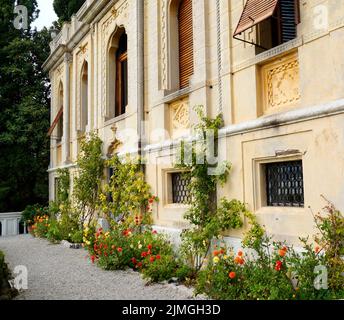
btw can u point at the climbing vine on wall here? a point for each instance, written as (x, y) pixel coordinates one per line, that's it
(127, 196)
(208, 220)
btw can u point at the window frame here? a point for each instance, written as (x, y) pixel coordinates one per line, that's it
(120, 105)
(292, 204)
(259, 182)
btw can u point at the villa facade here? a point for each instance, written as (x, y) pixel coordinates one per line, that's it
(134, 69)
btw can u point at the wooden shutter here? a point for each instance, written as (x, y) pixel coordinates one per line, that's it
(255, 11)
(186, 61)
(55, 122)
(288, 19)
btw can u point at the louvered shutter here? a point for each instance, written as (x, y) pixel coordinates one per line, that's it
(255, 11)
(186, 63)
(288, 14)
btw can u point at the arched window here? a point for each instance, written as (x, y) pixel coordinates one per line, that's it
(59, 127)
(118, 74)
(84, 97)
(181, 66)
(185, 31)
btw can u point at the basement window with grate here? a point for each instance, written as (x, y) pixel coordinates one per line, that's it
(180, 188)
(284, 184)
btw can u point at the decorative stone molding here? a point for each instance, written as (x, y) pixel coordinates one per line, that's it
(81, 57)
(281, 81)
(180, 117)
(119, 17)
(58, 77)
(115, 144)
(164, 43)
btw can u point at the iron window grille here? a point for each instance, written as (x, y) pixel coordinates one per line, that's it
(284, 184)
(180, 188)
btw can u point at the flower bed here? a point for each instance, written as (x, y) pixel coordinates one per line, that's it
(147, 252)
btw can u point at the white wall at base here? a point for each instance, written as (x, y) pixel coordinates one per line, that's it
(231, 242)
(10, 223)
(174, 236)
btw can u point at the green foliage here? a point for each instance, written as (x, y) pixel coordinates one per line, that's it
(63, 186)
(161, 269)
(208, 221)
(31, 212)
(87, 185)
(6, 292)
(331, 240)
(272, 270)
(24, 116)
(122, 248)
(66, 8)
(129, 193)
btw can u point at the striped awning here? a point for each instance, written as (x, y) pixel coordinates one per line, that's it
(56, 121)
(255, 11)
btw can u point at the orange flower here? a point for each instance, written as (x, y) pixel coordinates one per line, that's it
(239, 260)
(282, 252)
(216, 253)
(232, 275)
(317, 249)
(240, 253)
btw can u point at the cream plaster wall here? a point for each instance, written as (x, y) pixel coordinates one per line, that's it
(321, 73)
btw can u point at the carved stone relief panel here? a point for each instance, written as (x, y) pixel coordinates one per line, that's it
(180, 118)
(281, 83)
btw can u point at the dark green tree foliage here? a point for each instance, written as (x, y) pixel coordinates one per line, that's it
(66, 8)
(24, 111)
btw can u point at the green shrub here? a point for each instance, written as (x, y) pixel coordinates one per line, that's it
(6, 292)
(159, 268)
(32, 211)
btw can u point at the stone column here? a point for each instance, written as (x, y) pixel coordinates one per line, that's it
(66, 106)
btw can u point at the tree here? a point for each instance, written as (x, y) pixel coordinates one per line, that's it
(24, 111)
(66, 8)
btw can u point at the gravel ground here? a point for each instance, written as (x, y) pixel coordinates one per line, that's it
(58, 273)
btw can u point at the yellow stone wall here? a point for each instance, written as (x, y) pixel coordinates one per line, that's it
(268, 101)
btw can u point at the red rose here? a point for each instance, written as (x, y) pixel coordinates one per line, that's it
(149, 247)
(119, 249)
(278, 265)
(158, 257)
(139, 265)
(144, 254)
(134, 261)
(152, 259)
(93, 258)
(232, 275)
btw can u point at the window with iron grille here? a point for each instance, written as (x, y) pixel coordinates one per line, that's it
(180, 188)
(284, 184)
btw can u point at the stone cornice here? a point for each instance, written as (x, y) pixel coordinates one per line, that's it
(73, 32)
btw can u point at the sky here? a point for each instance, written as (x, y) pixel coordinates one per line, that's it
(47, 14)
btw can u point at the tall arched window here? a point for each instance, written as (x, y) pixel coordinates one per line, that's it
(181, 66)
(185, 31)
(84, 97)
(118, 74)
(59, 127)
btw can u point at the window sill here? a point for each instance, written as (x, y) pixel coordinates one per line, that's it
(170, 97)
(269, 54)
(281, 210)
(176, 206)
(111, 121)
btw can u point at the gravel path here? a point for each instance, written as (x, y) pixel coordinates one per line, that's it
(59, 273)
